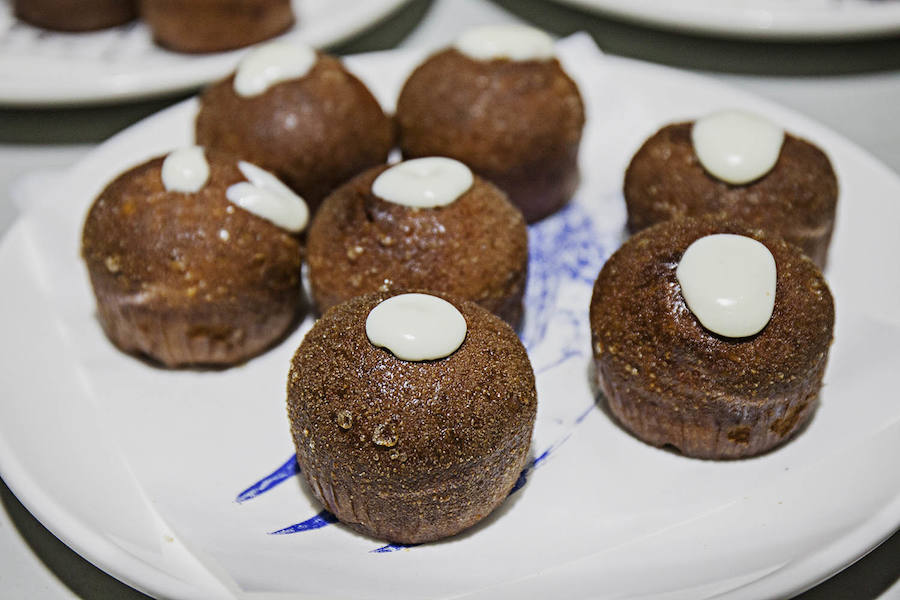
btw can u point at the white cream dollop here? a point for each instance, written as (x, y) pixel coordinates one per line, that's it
(728, 282)
(514, 42)
(185, 170)
(424, 182)
(266, 196)
(416, 327)
(737, 146)
(273, 63)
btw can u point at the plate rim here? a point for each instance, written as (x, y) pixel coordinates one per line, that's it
(743, 23)
(191, 74)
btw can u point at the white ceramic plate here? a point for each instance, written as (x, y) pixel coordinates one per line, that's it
(45, 68)
(759, 19)
(181, 483)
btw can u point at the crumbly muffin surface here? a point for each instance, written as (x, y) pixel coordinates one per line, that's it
(475, 247)
(410, 451)
(516, 123)
(315, 132)
(671, 381)
(189, 278)
(796, 200)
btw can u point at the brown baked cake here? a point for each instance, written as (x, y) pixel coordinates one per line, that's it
(315, 131)
(215, 25)
(515, 122)
(403, 450)
(671, 381)
(796, 199)
(475, 247)
(190, 277)
(75, 15)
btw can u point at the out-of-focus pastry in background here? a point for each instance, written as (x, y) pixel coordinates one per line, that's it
(75, 15)
(215, 25)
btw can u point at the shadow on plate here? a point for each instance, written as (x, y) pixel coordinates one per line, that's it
(80, 576)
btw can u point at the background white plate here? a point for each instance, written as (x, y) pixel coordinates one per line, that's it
(45, 68)
(762, 19)
(171, 481)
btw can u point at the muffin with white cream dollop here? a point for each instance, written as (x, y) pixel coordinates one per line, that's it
(195, 258)
(739, 165)
(298, 113)
(427, 223)
(711, 337)
(411, 413)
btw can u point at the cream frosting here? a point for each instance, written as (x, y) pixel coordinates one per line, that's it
(266, 196)
(424, 182)
(737, 146)
(185, 170)
(273, 63)
(416, 327)
(728, 282)
(513, 42)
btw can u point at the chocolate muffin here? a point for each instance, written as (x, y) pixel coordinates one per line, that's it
(515, 121)
(197, 26)
(183, 274)
(315, 130)
(796, 199)
(405, 450)
(475, 247)
(75, 15)
(671, 381)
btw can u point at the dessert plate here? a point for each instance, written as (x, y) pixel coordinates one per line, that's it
(759, 19)
(182, 483)
(45, 68)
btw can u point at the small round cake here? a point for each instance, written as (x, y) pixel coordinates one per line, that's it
(416, 448)
(198, 26)
(742, 166)
(75, 15)
(711, 337)
(299, 114)
(500, 102)
(426, 223)
(195, 259)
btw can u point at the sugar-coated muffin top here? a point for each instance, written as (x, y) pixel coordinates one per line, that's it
(402, 419)
(314, 131)
(181, 272)
(795, 199)
(639, 316)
